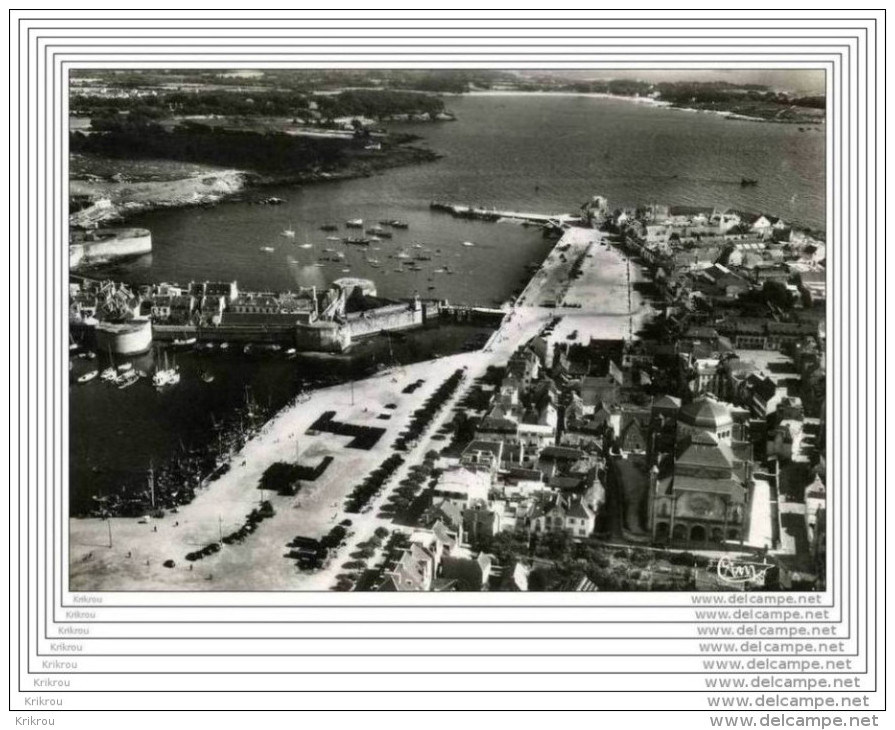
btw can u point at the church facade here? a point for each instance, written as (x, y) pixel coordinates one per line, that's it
(700, 491)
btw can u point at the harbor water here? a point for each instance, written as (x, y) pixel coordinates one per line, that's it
(527, 153)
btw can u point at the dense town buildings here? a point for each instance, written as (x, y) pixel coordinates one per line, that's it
(701, 434)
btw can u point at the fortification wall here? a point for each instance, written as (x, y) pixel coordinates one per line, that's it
(105, 245)
(396, 317)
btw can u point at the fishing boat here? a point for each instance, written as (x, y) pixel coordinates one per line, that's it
(355, 223)
(87, 377)
(127, 380)
(166, 375)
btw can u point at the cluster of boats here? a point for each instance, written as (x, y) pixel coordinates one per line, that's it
(372, 234)
(369, 236)
(176, 481)
(125, 375)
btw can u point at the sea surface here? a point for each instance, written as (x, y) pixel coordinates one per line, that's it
(532, 153)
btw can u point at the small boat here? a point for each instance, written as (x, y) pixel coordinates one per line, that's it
(468, 244)
(207, 376)
(267, 249)
(402, 255)
(748, 182)
(127, 380)
(125, 367)
(166, 375)
(109, 375)
(307, 245)
(357, 241)
(355, 223)
(399, 224)
(290, 352)
(225, 345)
(184, 341)
(374, 239)
(87, 377)
(346, 270)
(379, 231)
(329, 227)
(334, 238)
(288, 232)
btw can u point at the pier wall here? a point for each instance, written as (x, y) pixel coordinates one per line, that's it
(109, 244)
(474, 315)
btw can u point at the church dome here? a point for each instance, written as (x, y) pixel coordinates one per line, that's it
(706, 413)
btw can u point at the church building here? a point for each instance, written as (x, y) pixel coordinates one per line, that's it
(700, 493)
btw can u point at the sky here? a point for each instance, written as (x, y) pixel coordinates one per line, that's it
(796, 81)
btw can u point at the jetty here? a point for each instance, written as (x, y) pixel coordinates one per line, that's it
(560, 220)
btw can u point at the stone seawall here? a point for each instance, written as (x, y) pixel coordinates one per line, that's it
(109, 244)
(393, 317)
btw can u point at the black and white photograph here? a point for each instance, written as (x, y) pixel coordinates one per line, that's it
(447, 330)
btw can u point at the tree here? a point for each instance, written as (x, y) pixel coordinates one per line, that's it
(776, 294)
